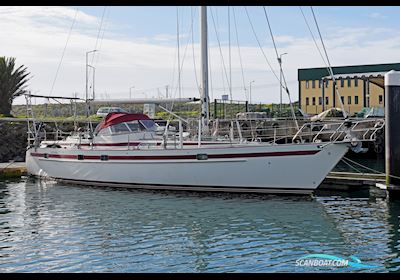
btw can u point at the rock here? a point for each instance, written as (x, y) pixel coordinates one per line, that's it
(13, 140)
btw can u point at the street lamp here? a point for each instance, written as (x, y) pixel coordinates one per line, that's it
(280, 81)
(250, 90)
(130, 92)
(94, 73)
(87, 66)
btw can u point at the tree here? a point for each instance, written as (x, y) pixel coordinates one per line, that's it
(12, 83)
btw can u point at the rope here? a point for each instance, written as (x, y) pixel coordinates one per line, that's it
(363, 166)
(282, 74)
(102, 37)
(96, 54)
(330, 67)
(211, 77)
(220, 50)
(173, 73)
(269, 64)
(186, 48)
(222, 65)
(270, 31)
(262, 50)
(179, 63)
(240, 56)
(193, 54)
(312, 35)
(371, 169)
(98, 33)
(63, 53)
(229, 48)
(352, 167)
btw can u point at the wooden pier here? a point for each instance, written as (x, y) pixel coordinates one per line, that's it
(348, 180)
(12, 169)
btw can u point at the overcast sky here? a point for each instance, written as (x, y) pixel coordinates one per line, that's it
(138, 47)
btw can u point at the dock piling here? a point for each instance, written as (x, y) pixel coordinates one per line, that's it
(392, 133)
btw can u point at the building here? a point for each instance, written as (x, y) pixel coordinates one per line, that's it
(359, 86)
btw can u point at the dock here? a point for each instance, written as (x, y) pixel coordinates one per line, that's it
(350, 181)
(355, 178)
(12, 169)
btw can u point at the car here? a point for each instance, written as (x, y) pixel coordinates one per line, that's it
(104, 111)
(374, 112)
(287, 113)
(251, 115)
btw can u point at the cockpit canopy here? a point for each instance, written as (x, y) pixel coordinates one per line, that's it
(115, 123)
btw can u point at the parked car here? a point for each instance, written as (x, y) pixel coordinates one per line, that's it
(251, 115)
(103, 111)
(374, 112)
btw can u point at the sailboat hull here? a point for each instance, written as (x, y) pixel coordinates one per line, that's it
(260, 168)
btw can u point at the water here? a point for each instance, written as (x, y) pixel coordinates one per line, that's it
(376, 163)
(49, 227)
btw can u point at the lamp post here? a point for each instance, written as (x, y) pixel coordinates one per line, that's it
(87, 66)
(280, 81)
(94, 73)
(250, 90)
(130, 92)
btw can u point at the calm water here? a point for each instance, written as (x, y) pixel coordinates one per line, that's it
(376, 163)
(63, 228)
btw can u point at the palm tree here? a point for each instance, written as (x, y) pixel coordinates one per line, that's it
(12, 83)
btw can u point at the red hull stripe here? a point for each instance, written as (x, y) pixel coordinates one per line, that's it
(37, 155)
(113, 144)
(210, 156)
(138, 143)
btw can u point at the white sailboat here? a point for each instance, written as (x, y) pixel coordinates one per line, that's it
(152, 162)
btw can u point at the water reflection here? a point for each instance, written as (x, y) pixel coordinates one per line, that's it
(46, 226)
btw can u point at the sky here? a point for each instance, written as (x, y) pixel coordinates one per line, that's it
(137, 47)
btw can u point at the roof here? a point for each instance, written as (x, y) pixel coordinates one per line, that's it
(374, 77)
(318, 73)
(357, 75)
(116, 118)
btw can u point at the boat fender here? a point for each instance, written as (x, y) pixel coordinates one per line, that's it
(378, 149)
(378, 140)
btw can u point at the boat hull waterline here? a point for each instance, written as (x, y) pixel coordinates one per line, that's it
(297, 169)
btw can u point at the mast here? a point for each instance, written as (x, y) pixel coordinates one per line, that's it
(205, 114)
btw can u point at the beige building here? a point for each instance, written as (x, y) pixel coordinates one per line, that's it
(359, 86)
